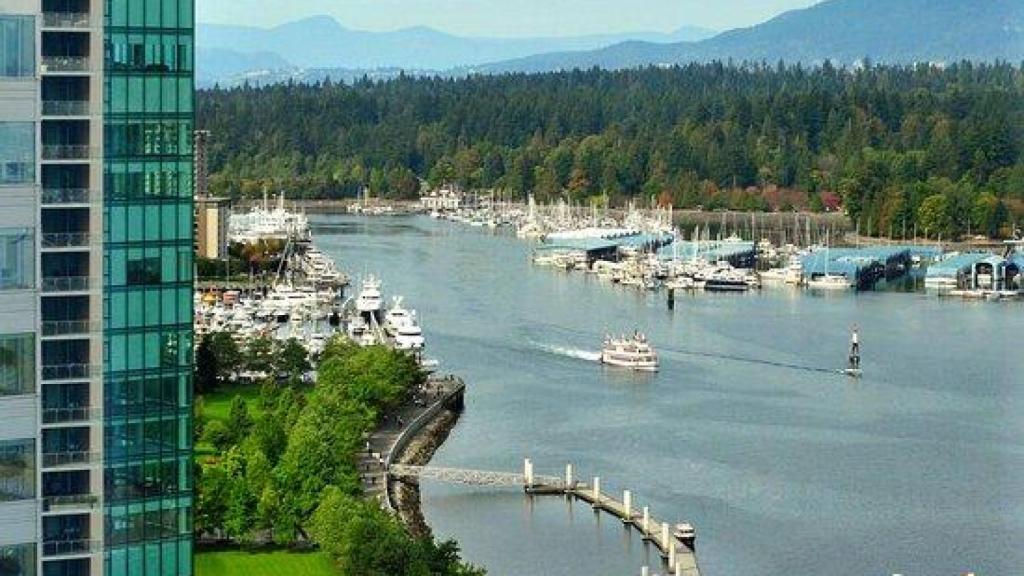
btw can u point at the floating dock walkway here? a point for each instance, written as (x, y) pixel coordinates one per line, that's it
(675, 543)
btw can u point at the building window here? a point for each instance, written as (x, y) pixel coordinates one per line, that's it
(17, 364)
(17, 471)
(18, 560)
(17, 153)
(17, 47)
(143, 271)
(17, 258)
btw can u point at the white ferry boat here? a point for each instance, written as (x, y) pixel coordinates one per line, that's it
(635, 353)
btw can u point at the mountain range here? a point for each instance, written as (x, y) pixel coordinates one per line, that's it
(321, 42)
(842, 31)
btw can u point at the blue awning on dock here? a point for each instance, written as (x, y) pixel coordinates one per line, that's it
(594, 245)
(864, 265)
(580, 245)
(710, 251)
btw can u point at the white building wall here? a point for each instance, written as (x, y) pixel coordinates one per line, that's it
(19, 415)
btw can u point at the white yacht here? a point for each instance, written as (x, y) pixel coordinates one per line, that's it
(397, 316)
(635, 353)
(830, 282)
(681, 283)
(794, 272)
(409, 337)
(774, 275)
(360, 332)
(370, 300)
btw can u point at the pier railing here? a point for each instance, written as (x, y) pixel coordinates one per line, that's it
(675, 543)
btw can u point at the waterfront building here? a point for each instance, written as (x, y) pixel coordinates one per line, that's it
(212, 218)
(96, 118)
(446, 199)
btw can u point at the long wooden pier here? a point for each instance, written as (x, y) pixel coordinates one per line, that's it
(675, 543)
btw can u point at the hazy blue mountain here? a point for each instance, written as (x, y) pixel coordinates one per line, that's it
(321, 42)
(844, 31)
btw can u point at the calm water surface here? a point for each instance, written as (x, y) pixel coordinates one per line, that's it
(785, 467)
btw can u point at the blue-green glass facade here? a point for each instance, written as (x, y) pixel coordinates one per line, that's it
(147, 278)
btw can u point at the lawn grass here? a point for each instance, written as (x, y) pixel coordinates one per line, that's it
(259, 563)
(217, 404)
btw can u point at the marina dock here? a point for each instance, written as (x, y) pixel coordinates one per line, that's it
(676, 543)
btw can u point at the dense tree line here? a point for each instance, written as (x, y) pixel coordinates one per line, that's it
(284, 467)
(936, 148)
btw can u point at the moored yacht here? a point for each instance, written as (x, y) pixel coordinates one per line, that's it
(635, 353)
(830, 282)
(397, 316)
(409, 337)
(370, 300)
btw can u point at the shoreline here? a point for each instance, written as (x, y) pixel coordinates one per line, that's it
(420, 452)
(422, 430)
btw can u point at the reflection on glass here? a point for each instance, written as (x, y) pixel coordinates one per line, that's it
(17, 47)
(17, 470)
(17, 258)
(17, 153)
(17, 364)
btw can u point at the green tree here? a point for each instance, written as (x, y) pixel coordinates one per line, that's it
(988, 214)
(239, 422)
(226, 351)
(216, 434)
(259, 356)
(292, 359)
(933, 216)
(207, 367)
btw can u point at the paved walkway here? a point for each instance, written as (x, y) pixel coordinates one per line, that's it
(371, 461)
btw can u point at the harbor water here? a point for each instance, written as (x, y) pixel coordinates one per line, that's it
(748, 431)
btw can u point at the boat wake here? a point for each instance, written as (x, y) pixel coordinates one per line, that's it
(588, 355)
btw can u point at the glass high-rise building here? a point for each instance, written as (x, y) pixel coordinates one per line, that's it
(96, 121)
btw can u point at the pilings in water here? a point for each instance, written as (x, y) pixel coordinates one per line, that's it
(676, 546)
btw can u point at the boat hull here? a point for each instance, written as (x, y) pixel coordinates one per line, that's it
(628, 364)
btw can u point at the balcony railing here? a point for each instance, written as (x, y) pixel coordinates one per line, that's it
(67, 151)
(67, 371)
(68, 327)
(57, 196)
(75, 503)
(65, 239)
(72, 20)
(65, 284)
(69, 458)
(78, 547)
(66, 64)
(69, 415)
(66, 108)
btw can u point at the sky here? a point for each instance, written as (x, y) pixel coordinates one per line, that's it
(505, 18)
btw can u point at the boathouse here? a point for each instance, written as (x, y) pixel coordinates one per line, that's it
(738, 254)
(995, 273)
(864, 267)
